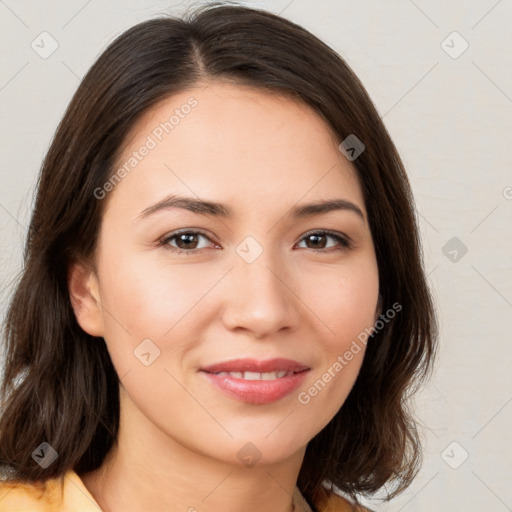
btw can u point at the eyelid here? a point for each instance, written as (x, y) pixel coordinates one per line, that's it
(163, 241)
(335, 234)
(345, 241)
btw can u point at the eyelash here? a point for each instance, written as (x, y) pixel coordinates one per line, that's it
(345, 242)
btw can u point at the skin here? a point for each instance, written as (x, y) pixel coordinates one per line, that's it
(261, 154)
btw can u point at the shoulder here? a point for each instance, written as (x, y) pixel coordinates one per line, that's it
(23, 496)
(56, 495)
(329, 501)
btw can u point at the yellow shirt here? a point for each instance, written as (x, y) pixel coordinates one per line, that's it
(22, 497)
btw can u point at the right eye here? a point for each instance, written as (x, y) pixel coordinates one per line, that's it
(186, 240)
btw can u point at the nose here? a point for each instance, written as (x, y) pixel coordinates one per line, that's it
(260, 297)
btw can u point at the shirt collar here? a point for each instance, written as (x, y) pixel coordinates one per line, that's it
(77, 496)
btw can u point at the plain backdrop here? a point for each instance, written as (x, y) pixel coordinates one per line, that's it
(440, 75)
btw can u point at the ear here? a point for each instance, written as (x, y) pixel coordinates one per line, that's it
(85, 298)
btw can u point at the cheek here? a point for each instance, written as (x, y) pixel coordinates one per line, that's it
(147, 298)
(150, 298)
(344, 300)
(346, 304)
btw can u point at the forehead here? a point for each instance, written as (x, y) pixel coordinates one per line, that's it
(225, 141)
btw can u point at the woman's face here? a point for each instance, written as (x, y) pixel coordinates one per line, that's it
(252, 280)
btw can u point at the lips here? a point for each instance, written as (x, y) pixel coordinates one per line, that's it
(256, 366)
(256, 382)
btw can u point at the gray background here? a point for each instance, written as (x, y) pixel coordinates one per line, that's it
(450, 115)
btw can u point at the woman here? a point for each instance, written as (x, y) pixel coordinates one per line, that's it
(223, 305)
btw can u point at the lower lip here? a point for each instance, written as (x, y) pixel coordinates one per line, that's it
(257, 391)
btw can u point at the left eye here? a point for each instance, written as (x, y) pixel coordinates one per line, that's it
(187, 241)
(315, 236)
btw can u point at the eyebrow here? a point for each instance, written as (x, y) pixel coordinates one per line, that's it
(210, 208)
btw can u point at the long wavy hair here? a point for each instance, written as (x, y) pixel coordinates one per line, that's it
(59, 385)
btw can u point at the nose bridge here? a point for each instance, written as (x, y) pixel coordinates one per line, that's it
(259, 296)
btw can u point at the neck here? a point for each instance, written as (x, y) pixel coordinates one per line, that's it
(147, 470)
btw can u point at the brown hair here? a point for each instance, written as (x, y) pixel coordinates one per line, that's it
(59, 384)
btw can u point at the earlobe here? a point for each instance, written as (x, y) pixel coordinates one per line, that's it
(83, 287)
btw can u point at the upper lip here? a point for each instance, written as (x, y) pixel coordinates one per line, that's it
(255, 365)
